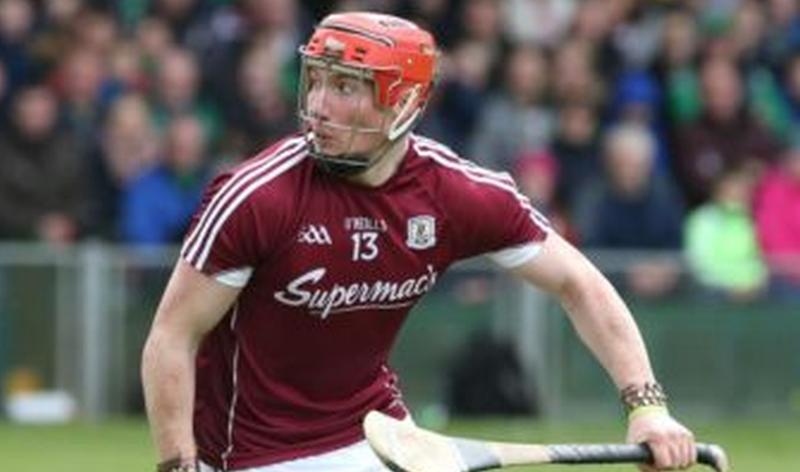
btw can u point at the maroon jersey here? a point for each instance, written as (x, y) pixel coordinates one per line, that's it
(329, 271)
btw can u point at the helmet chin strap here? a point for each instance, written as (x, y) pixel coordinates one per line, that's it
(346, 165)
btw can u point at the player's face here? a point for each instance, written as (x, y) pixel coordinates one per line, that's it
(342, 112)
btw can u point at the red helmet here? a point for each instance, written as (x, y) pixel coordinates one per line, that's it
(400, 55)
(394, 55)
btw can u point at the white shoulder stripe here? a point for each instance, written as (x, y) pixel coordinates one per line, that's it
(224, 194)
(240, 178)
(229, 209)
(466, 166)
(204, 233)
(523, 200)
(475, 174)
(446, 152)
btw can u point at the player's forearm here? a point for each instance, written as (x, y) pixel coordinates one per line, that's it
(606, 326)
(168, 380)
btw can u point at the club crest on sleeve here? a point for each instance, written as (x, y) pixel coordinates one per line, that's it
(421, 232)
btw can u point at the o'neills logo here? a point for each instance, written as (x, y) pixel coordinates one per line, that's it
(303, 291)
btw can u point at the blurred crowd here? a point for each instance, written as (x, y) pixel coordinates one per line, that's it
(643, 125)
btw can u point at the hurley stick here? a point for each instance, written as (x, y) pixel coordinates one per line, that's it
(404, 447)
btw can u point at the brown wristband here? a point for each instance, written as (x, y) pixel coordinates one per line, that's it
(638, 395)
(178, 464)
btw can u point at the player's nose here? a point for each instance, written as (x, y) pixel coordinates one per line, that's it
(318, 105)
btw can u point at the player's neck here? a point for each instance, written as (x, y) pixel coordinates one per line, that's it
(385, 168)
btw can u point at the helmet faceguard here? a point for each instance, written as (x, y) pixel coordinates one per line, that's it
(393, 56)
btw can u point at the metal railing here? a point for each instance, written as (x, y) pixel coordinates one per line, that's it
(79, 315)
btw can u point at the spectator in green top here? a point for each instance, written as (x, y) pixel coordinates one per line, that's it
(721, 245)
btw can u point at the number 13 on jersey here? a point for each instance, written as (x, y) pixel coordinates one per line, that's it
(364, 245)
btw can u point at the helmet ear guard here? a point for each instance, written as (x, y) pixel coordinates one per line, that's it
(396, 50)
(412, 105)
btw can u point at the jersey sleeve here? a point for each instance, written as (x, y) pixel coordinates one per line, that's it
(491, 216)
(230, 233)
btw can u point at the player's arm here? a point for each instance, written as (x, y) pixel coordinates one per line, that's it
(604, 323)
(192, 305)
(598, 314)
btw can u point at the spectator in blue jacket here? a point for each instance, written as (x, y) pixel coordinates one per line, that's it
(634, 208)
(157, 206)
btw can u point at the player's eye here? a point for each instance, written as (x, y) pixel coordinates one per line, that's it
(345, 87)
(313, 78)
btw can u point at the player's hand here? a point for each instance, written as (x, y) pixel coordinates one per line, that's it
(672, 444)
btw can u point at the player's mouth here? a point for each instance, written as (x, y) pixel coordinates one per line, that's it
(323, 140)
(328, 143)
(321, 135)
